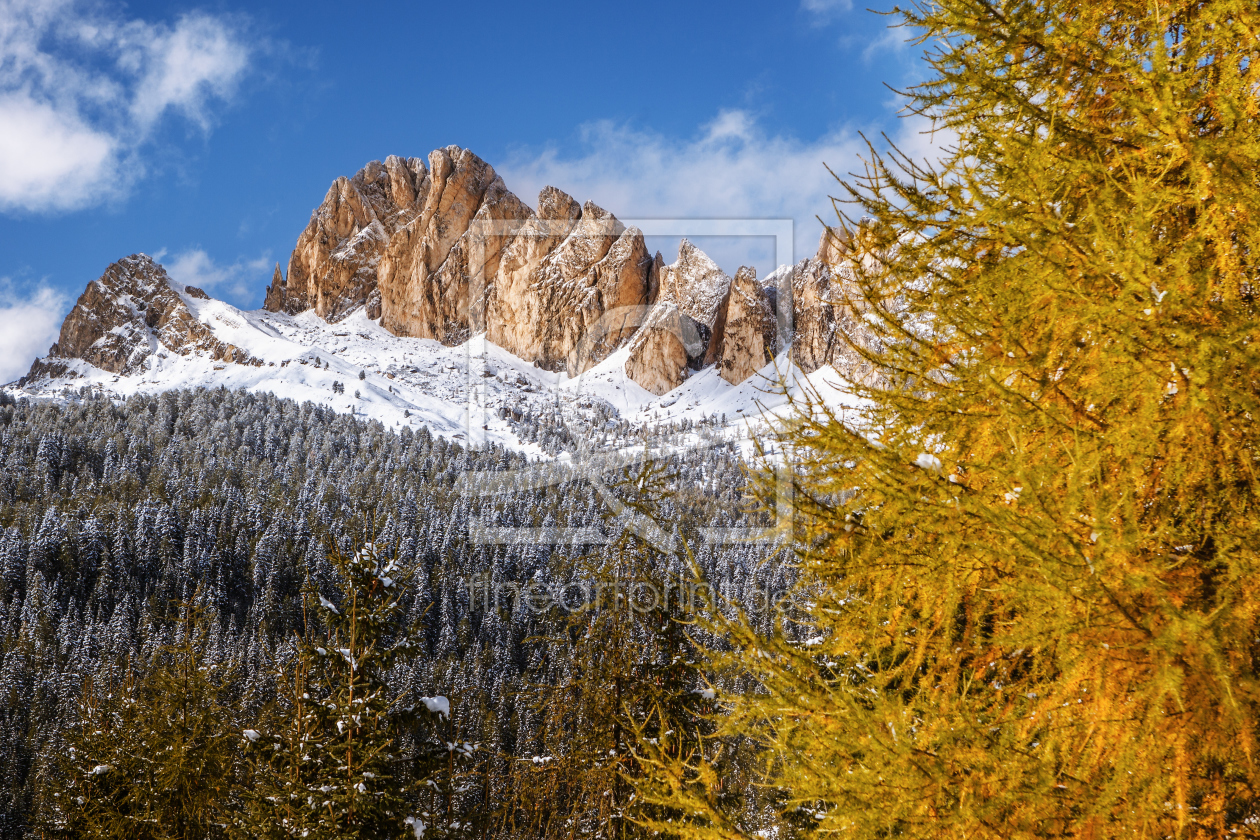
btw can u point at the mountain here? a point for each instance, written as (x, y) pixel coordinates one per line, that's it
(126, 315)
(425, 292)
(172, 448)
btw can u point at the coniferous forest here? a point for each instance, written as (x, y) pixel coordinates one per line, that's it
(206, 525)
(1023, 582)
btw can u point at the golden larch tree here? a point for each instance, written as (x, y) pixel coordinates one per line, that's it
(1031, 564)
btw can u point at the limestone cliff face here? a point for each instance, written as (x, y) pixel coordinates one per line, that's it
(745, 334)
(664, 348)
(131, 312)
(333, 268)
(569, 286)
(612, 302)
(445, 250)
(813, 315)
(694, 284)
(827, 312)
(686, 296)
(834, 246)
(424, 277)
(512, 302)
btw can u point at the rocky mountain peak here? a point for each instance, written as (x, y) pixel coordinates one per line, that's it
(333, 266)
(556, 205)
(131, 312)
(440, 248)
(445, 251)
(745, 333)
(694, 284)
(828, 327)
(833, 246)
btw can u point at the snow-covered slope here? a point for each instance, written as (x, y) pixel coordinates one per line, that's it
(472, 392)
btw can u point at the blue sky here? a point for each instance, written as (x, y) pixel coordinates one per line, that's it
(207, 133)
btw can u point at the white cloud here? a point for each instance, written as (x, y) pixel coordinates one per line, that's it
(242, 279)
(826, 8)
(28, 326)
(51, 158)
(199, 59)
(733, 169)
(82, 90)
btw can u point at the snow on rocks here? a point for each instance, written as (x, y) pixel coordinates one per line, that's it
(467, 393)
(123, 318)
(694, 284)
(474, 392)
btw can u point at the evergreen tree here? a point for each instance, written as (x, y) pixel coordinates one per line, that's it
(1033, 598)
(331, 766)
(226, 498)
(623, 679)
(151, 757)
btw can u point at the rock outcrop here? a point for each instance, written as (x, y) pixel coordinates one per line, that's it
(828, 327)
(745, 333)
(813, 315)
(568, 287)
(833, 246)
(433, 265)
(667, 344)
(675, 333)
(511, 300)
(694, 284)
(131, 312)
(612, 300)
(333, 266)
(447, 250)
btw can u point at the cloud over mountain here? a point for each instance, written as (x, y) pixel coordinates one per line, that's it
(243, 279)
(733, 168)
(28, 325)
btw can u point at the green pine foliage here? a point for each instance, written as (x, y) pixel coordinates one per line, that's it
(628, 678)
(333, 765)
(109, 512)
(149, 757)
(1030, 579)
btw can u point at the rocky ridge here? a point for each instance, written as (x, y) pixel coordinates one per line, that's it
(745, 330)
(441, 249)
(133, 311)
(828, 326)
(333, 266)
(695, 285)
(445, 250)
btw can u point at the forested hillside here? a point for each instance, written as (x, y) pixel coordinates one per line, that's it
(112, 516)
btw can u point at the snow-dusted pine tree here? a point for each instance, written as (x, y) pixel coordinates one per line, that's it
(150, 757)
(330, 765)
